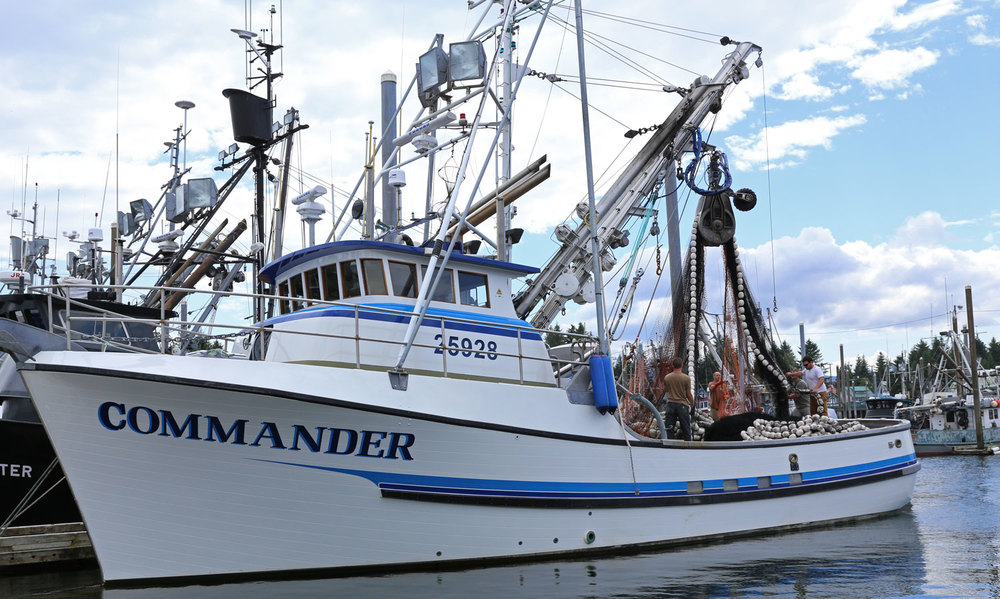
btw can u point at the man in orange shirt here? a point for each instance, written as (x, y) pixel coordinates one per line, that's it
(718, 393)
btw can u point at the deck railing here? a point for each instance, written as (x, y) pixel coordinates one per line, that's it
(176, 335)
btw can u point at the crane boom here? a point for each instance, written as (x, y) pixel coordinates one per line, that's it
(567, 274)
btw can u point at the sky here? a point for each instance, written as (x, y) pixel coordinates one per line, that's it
(868, 134)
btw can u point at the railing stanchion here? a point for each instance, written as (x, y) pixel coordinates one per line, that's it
(66, 324)
(357, 336)
(520, 358)
(163, 322)
(444, 349)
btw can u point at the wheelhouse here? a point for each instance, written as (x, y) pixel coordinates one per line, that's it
(356, 300)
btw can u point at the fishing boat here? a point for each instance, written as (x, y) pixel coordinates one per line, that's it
(41, 309)
(945, 425)
(948, 420)
(399, 407)
(32, 487)
(885, 406)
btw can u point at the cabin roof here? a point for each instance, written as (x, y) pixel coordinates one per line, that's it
(270, 272)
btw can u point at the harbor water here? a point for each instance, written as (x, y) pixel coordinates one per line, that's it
(947, 544)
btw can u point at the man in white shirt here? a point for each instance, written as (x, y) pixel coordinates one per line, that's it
(813, 377)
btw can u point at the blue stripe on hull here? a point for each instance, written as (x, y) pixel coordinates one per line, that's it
(490, 325)
(475, 487)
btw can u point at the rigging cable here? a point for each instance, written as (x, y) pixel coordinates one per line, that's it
(548, 98)
(770, 217)
(595, 41)
(660, 27)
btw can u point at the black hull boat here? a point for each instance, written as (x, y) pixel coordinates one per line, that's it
(33, 490)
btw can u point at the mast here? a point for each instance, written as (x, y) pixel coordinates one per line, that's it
(595, 243)
(504, 212)
(974, 371)
(390, 200)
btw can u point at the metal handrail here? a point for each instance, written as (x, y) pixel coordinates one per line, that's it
(182, 327)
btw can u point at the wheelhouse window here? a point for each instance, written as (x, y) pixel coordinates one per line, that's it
(349, 276)
(296, 290)
(283, 303)
(404, 279)
(104, 329)
(374, 276)
(331, 288)
(473, 290)
(312, 285)
(445, 291)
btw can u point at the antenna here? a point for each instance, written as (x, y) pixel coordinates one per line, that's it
(185, 105)
(56, 253)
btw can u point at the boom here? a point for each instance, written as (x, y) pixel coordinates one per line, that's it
(567, 275)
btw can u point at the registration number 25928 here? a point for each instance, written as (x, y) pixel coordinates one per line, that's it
(468, 347)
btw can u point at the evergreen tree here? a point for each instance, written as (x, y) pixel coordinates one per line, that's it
(812, 350)
(786, 357)
(555, 337)
(994, 350)
(921, 350)
(983, 354)
(860, 375)
(880, 368)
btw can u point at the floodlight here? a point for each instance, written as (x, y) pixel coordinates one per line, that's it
(222, 154)
(174, 205)
(200, 193)
(39, 246)
(141, 210)
(466, 61)
(126, 223)
(432, 69)
(233, 148)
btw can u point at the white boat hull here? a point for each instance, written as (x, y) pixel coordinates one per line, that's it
(447, 470)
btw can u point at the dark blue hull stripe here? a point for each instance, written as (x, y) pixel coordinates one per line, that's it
(578, 494)
(500, 328)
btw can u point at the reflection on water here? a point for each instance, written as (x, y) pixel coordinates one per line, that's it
(947, 545)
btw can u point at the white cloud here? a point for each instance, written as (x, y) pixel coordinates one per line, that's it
(852, 292)
(864, 295)
(979, 36)
(891, 69)
(926, 13)
(803, 86)
(789, 141)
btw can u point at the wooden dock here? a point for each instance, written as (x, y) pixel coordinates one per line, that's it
(45, 544)
(988, 450)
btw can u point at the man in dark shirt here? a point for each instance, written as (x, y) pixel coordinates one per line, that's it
(680, 402)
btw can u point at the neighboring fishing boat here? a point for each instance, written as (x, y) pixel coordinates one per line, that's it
(400, 406)
(944, 425)
(885, 406)
(945, 420)
(80, 311)
(32, 487)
